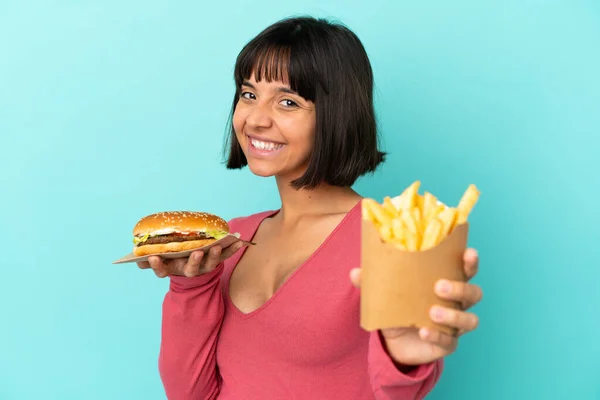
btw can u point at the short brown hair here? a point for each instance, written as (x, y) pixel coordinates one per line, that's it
(327, 64)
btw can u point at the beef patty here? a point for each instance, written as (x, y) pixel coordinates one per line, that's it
(174, 238)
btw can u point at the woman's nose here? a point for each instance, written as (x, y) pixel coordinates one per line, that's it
(259, 117)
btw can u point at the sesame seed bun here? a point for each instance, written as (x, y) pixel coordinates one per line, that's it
(172, 231)
(183, 221)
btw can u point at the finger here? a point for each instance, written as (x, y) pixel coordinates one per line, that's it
(230, 250)
(471, 259)
(212, 259)
(192, 266)
(143, 264)
(454, 318)
(155, 262)
(441, 340)
(355, 277)
(158, 266)
(467, 294)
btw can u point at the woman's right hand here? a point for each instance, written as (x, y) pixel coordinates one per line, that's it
(196, 264)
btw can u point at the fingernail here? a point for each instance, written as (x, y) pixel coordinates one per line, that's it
(215, 250)
(197, 257)
(444, 287)
(437, 313)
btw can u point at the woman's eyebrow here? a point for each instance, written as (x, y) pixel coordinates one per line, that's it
(281, 89)
(284, 89)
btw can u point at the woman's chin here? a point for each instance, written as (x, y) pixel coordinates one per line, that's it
(260, 170)
(268, 169)
(265, 172)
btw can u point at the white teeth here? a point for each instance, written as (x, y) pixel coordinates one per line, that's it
(259, 144)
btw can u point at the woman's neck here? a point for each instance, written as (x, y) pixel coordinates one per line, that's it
(322, 200)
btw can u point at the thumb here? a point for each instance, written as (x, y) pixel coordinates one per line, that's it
(355, 277)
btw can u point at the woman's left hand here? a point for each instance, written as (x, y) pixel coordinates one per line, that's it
(412, 346)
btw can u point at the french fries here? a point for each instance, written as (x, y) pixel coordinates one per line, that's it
(414, 222)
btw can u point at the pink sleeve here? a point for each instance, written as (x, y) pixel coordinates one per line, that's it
(389, 383)
(192, 315)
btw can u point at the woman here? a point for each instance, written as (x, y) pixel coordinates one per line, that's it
(280, 320)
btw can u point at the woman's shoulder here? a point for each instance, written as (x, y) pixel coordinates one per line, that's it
(243, 224)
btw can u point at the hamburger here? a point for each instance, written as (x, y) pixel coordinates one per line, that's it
(172, 231)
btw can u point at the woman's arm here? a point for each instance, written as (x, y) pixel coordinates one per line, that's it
(393, 382)
(192, 316)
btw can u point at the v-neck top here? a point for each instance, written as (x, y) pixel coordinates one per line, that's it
(305, 342)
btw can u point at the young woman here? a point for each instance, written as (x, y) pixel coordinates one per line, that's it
(280, 320)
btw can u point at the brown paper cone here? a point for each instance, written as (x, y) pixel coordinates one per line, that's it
(397, 287)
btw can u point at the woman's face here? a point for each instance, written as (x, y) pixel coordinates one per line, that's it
(275, 128)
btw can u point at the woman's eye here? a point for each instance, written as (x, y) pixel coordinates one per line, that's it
(248, 95)
(288, 103)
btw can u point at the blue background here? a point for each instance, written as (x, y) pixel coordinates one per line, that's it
(112, 110)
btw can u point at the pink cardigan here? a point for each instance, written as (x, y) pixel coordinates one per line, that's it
(304, 343)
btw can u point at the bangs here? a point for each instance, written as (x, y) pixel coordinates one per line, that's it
(275, 61)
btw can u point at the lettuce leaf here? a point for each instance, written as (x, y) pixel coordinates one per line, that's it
(217, 234)
(138, 240)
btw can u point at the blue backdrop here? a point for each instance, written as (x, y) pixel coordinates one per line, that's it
(112, 110)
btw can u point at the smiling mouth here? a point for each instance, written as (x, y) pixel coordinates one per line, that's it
(264, 145)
